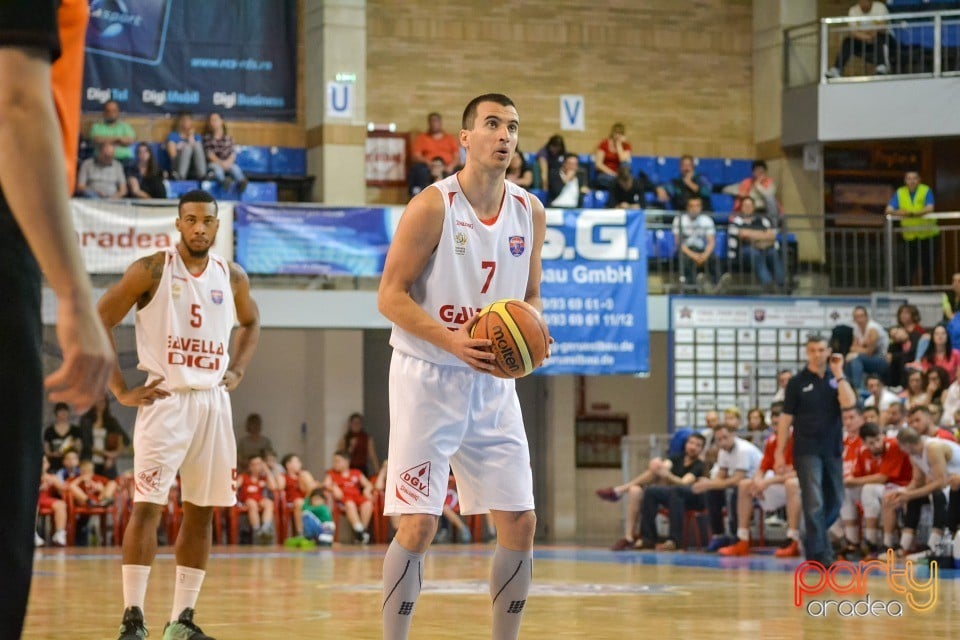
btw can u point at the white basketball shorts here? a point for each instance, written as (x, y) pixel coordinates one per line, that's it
(444, 417)
(774, 496)
(190, 432)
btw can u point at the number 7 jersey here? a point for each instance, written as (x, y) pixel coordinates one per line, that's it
(183, 333)
(475, 263)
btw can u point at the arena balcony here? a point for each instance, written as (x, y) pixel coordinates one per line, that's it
(872, 78)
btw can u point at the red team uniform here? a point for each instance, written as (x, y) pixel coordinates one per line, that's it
(251, 488)
(851, 453)
(292, 489)
(894, 463)
(350, 484)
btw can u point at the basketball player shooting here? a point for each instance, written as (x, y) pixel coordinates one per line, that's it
(471, 239)
(187, 300)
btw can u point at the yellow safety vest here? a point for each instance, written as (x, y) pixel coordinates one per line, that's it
(920, 228)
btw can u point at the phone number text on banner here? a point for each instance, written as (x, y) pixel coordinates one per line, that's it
(313, 240)
(594, 292)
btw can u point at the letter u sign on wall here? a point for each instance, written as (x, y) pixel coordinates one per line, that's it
(341, 97)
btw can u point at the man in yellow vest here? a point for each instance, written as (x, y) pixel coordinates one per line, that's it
(918, 246)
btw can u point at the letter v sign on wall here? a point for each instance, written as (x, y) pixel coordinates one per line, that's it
(571, 113)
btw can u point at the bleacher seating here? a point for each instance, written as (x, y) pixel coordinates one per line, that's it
(253, 160)
(712, 169)
(260, 192)
(176, 188)
(288, 161)
(722, 203)
(735, 170)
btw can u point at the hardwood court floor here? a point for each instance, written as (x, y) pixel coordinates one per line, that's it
(260, 593)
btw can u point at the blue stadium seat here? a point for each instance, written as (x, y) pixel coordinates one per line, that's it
(666, 244)
(253, 159)
(540, 194)
(216, 190)
(722, 202)
(649, 244)
(601, 198)
(588, 202)
(667, 169)
(735, 170)
(711, 169)
(288, 161)
(950, 34)
(914, 36)
(720, 245)
(176, 188)
(260, 192)
(648, 165)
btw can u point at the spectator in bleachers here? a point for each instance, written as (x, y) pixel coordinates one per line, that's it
(894, 418)
(686, 186)
(360, 445)
(550, 158)
(941, 353)
(868, 351)
(629, 192)
(568, 185)
(91, 489)
(737, 459)
(937, 383)
(273, 466)
(438, 170)
(873, 414)
(255, 489)
(60, 436)
(675, 477)
(731, 419)
(760, 189)
(144, 179)
(254, 442)
(518, 172)
(951, 403)
(51, 498)
(102, 176)
(868, 40)
(936, 413)
(185, 148)
(915, 393)
(752, 243)
(222, 154)
(880, 396)
(351, 488)
(905, 339)
(115, 131)
(71, 466)
(917, 250)
(612, 153)
(297, 484)
(951, 299)
(757, 427)
(695, 235)
(104, 440)
(432, 143)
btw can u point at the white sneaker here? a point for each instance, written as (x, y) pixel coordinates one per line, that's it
(60, 538)
(881, 69)
(37, 540)
(833, 72)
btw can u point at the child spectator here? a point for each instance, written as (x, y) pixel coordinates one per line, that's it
(254, 491)
(91, 489)
(351, 489)
(70, 468)
(318, 525)
(60, 436)
(297, 484)
(50, 498)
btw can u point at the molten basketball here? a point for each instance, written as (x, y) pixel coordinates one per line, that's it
(519, 335)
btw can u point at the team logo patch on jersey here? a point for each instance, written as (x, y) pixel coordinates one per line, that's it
(149, 481)
(217, 296)
(176, 290)
(460, 243)
(517, 245)
(418, 478)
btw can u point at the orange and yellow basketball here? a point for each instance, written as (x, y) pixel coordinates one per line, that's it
(519, 335)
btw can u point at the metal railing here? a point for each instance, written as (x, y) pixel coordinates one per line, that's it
(923, 45)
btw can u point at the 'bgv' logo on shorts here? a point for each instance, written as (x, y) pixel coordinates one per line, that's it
(418, 478)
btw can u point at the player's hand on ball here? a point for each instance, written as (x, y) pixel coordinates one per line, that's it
(143, 395)
(231, 379)
(474, 351)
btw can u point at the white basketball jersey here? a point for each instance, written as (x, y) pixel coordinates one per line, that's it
(474, 264)
(183, 333)
(953, 464)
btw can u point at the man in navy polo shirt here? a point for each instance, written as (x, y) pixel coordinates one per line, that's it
(813, 403)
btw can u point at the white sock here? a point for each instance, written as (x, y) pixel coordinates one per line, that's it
(934, 540)
(852, 534)
(743, 534)
(870, 535)
(186, 590)
(888, 539)
(135, 578)
(358, 528)
(793, 534)
(906, 541)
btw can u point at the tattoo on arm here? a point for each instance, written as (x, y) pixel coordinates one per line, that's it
(154, 266)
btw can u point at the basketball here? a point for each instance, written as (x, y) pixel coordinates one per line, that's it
(519, 335)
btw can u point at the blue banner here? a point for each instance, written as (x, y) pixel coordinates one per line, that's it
(312, 240)
(237, 57)
(594, 292)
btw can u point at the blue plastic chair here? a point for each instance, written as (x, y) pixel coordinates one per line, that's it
(712, 169)
(260, 192)
(722, 202)
(176, 188)
(288, 161)
(253, 159)
(735, 170)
